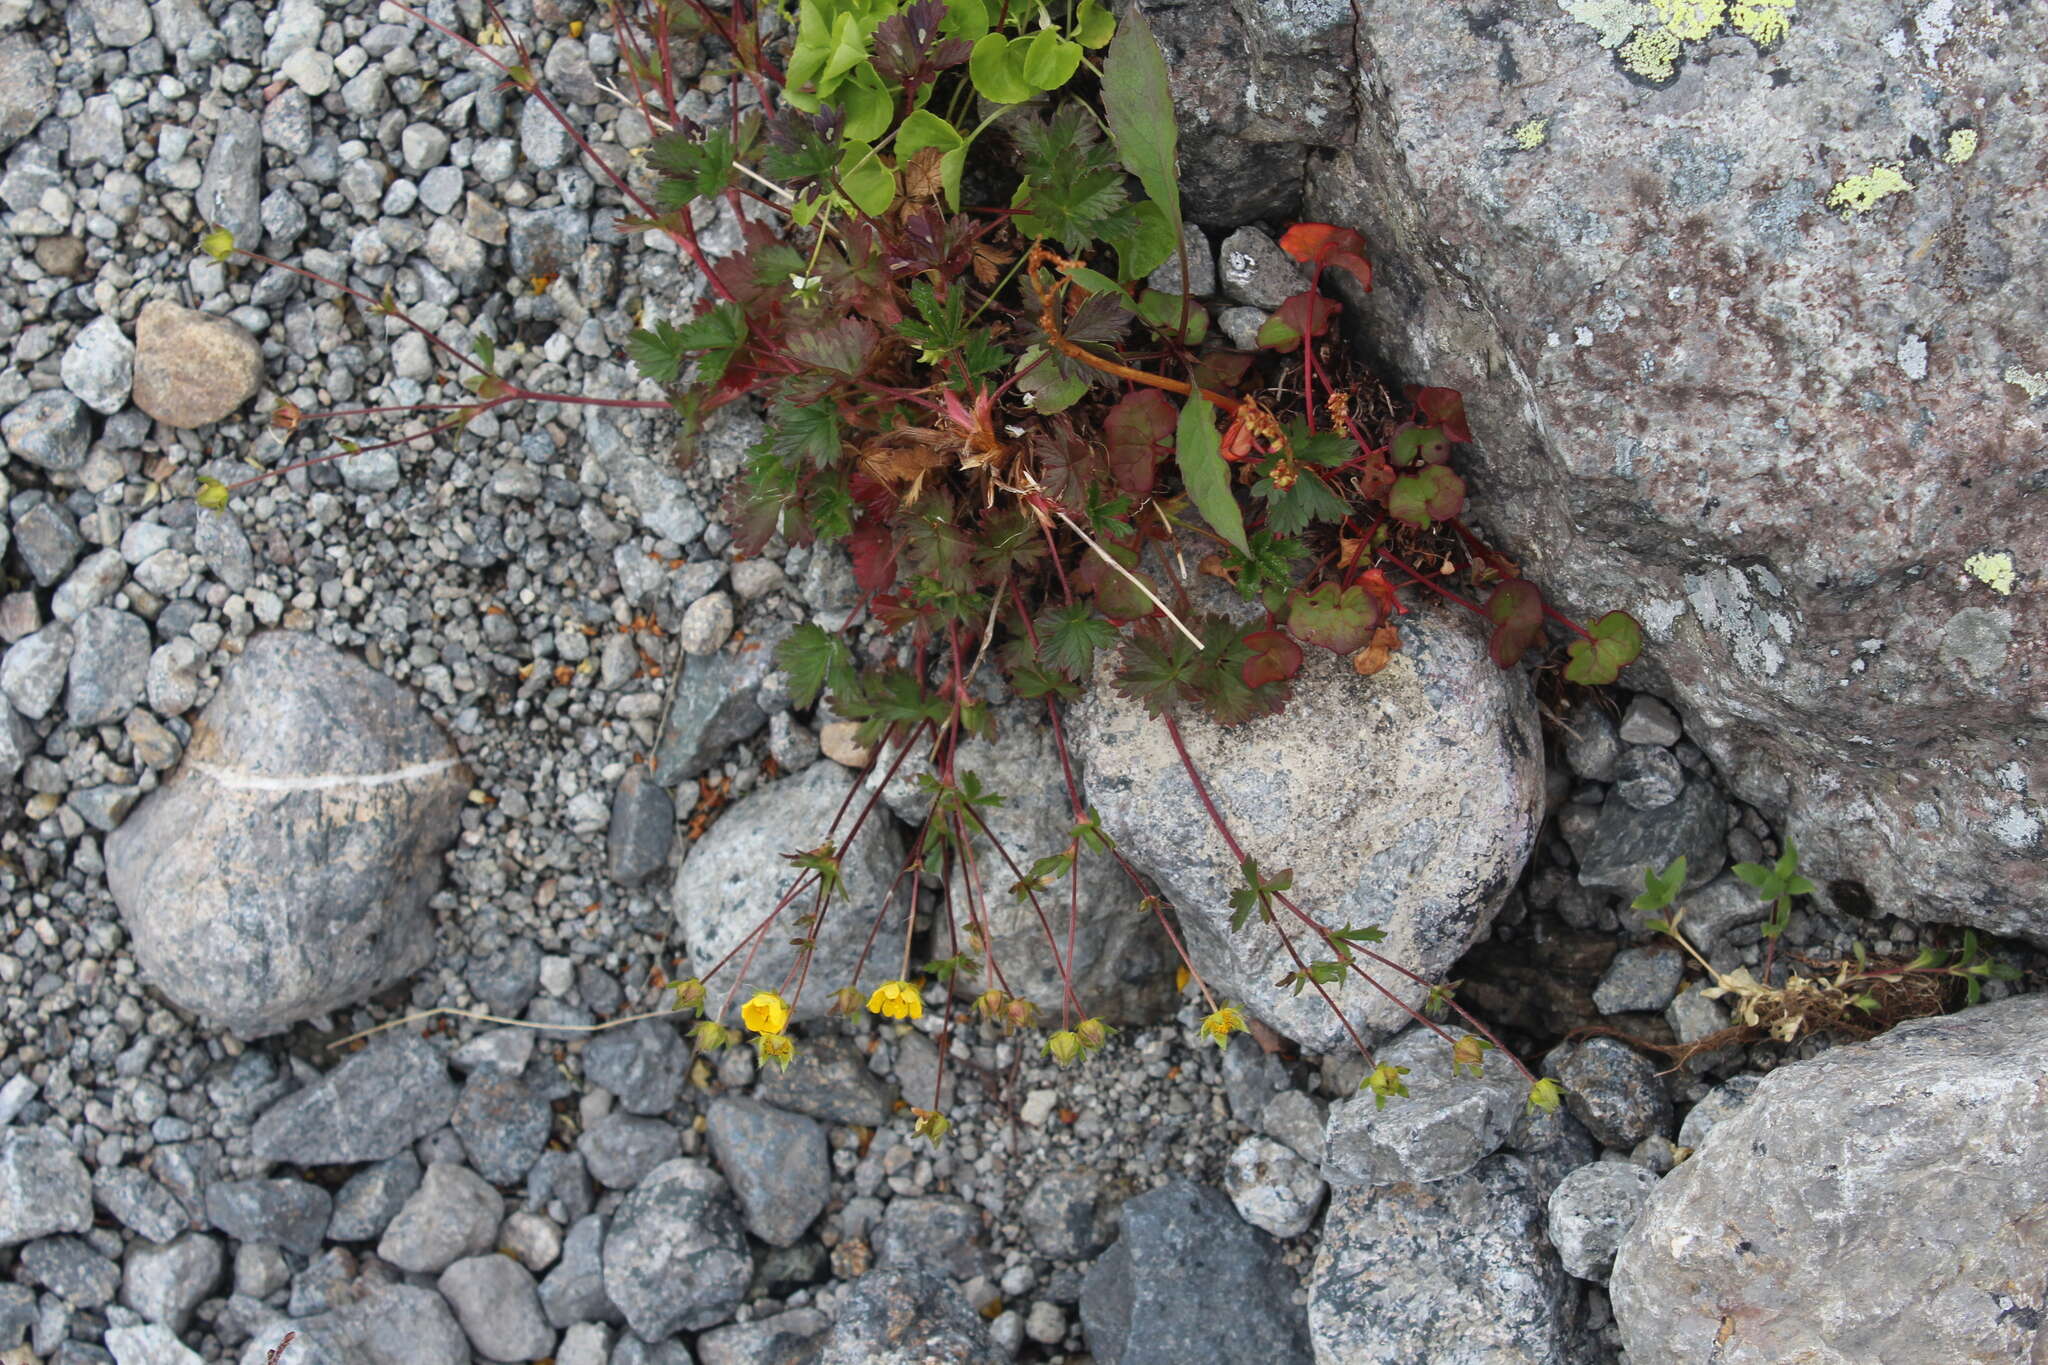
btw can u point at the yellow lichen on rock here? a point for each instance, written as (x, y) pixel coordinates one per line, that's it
(1652, 54)
(1530, 133)
(1962, 145)
(1862, 193)
(1763, 22)
(1993, 571)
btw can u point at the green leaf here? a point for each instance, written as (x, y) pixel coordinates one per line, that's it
(657, 352)
(1305, 314)
(1148, 245)
(213, 494)
(1049, 60)
(1337, 618)
(1516, 609)
(1198, 450)
(921, 129)
(1617, 640)
(868, 105)
(1068, 637)
(1660, 889)
(1093, 25)
(219, 244)
(995, 76)
(814, 658)
(1162, 312)
(1137, 103)
(1545, 1095)
(865, 180)
(1308, 499)
(1418, 445)
(1434, 494)
(1156, 672)
(695, 168)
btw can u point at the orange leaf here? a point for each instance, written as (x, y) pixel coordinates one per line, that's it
(1378, 654)
(1324, 244)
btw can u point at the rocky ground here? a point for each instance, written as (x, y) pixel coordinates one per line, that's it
(531, 638)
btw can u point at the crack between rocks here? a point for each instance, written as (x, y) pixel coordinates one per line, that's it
(234, 780)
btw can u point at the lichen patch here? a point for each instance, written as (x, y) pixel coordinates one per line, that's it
(1862, 193)
(1994, 571)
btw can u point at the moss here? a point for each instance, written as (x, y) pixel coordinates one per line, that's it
(1530, 133)
(1862, 193)
(1993, 571)
(1962, 145)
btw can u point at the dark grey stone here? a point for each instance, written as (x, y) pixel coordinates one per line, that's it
(676, 1257)
(1448, 1122)
(1650, 721)
(621, 1148)
(791, 1338)
(284, 870)
(508, 979)
(829, 1079)
(49, 429)
(47, 541)
(231, 191)
(1068, 1216)
(28, 87)
(69, 1268)
(547, 241)
(559, 1185)
(43, 1188)
(1591, 746)
(1648, 777)
(713, 709)
(109, 666)
(1183, 1253)
(906, 1315)
(372, 1106)
(291, 1213)
(1720, 1103)
(17, 1314)
(503, 1125)
(165, 1283)
(1639, 980)
(642, 1064)
(776, 1162)
(139, 1204)
(643, 828)
(1625, 841)
(939, 1233)
(1616, 1092)
(365, 1205)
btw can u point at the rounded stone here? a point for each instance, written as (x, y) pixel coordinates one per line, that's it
(192, 368)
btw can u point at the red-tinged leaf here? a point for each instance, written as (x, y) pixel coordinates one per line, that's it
(1313, 243)
(1375, 585)
(1617, 640)
(1138, 432)
(1378, 654)
(1360, 268)
(1116, 597)
(1337, 618)
(1445, 408)
(1375, 477)
(1222, 370)
(1306, 314)
(844, 347)
(1413, 445)
(1274, 658)
(1516, 609)
(1431, 495)
(874, 554)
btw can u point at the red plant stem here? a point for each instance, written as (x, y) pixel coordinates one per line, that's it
(1467, 603)
(375, 306)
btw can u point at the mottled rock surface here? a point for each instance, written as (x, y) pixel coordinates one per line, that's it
(1881, 1202)
(284, 869)
(192, 368)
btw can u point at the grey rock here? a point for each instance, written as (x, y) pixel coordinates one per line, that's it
(119, 23)
(828, 1079)
(642, 1064)
(441, 189)
(776, 1162)
(1649, 721)
(1251, 1077)
(1639, 979)
(1182, 1252)
(17, 742)
(1716, 913)
(559, 1184)
(44, 1188)
(367, 93)
(1297, 1119)
(225, 549)
(34, 669)
(28, 87)
(547, 241)
(152, 1344)
(643, 828)
(165, 1283)
(706, 624)
(454, 1213)
(791, 1338)
(1241, 326)
(631, 1350)
(99, 135)
(508, 1049)
(337, 795)
(1591, 1210)
(99, 366)
(173, 677)
(370, 1107)
(191, 368)
(1274, 1190)
(713, 709)
(902, 1315)
(502, 1124)
(676, 1257)
(230, 194)
(569, 73)
(1456, 1271)
(96, 579)
(1121, 963)
(296, 28)
(1924, 1141)
(424, 147)
(1441, 788)
(260, 1270)
(1877, 744)
(1201, 276)
(790, 743)
(291, 1213)
(938, 1233)
(736, 872)
(621, 1148)
(139, 1204)
(1447, 1123)
(543, 141)
(1069, 1216)
(69, 1268)
(1648, 777)
(367, 1202)
(17, 1314)
(1616, 1092)
(507, 979)
(573, 1291)
(402, 1324)
(586, 1343)
(1722, 1102)
(495, 1300)
(49, 429)
(47, 541)
(1255, 271)
(1592, 748)
(1626, 841)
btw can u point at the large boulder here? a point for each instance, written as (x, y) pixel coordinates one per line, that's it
(284, 869)
(1121, 964)
(738, 872)
(1881, 1202)
(1407, 800)
(1744, 302)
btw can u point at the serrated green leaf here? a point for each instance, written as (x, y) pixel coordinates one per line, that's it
(1198, 450)
(1068, 637)
(814, 659)
(1617, 640)
(657, 352)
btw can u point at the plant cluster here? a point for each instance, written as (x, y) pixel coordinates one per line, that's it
(951, 210)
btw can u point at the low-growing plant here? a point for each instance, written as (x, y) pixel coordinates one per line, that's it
(950, 211)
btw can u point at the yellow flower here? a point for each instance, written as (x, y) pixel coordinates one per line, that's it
(1220, 1025)
(931, 1125)
(765, 1013)
(775, 1048)
(896, 1000)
